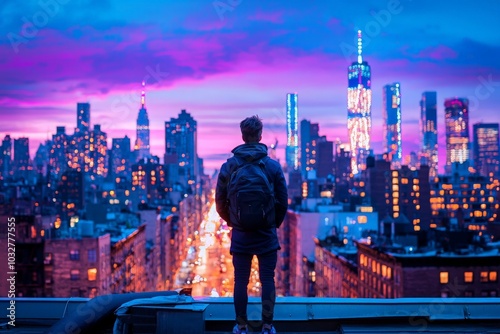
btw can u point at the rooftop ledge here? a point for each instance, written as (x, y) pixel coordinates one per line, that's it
(171, 312)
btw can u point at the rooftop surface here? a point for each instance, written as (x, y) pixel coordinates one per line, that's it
(171, 312)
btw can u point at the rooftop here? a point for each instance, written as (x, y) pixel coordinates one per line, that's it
(174, 312)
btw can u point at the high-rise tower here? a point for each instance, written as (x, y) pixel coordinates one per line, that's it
(457, 131)
(359, 101)
(485, 149)
(82, 117)
(181, 146)
(142, 147)
(428, 128)
(391, 113)
(292, 132)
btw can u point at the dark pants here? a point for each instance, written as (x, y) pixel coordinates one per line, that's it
(242, 266)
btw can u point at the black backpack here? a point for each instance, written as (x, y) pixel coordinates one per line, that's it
(251, 197)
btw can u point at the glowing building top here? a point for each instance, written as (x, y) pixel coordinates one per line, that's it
(142, 141)
(359, 101)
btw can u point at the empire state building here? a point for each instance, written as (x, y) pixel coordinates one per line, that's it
(142, 147)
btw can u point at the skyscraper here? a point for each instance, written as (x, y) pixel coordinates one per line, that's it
(457, 131)
(486, 149)
(120, 158)
(181, 146)
(428, 128)
(98, 151)
(57, 152)
(391, 113)
(309, 135)
(142, 147)
(359, 101)
(6, 157)
(292, 132)
(82, 117)
(22, 156)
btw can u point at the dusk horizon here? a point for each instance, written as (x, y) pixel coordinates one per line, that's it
(223, 61)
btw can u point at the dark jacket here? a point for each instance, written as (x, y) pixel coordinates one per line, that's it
(260, 241)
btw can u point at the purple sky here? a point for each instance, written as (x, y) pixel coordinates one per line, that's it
(225, 60)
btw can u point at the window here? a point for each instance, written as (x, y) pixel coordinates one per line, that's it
(493, 276)
(74, 274)
(92, 274)
(92, 255)
(468, 294)
(74, 255)
(468, 277)
(484, 276)
(444, 294)
(443, 277)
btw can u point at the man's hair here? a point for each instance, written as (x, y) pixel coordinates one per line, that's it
(251, 129)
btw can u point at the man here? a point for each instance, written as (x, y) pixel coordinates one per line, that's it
(262, 239)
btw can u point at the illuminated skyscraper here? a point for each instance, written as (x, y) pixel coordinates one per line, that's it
(428, 128)
(98, 151)
(485, 149)
(456, 115)
(82, 117)
(292, 132)
(391, 113)
(181, 146)
(142, 147)
(359, 101)
(120, 157)
(309, 135)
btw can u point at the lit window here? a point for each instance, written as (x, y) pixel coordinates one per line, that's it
(468, 277)
(92, 274)
(443, 277)
(484, 276)
(493, 276)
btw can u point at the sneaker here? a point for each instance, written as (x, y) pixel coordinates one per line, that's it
(268, 329)
(240, 330)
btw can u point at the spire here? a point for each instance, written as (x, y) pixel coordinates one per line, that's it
(143, 96)
(360, 47)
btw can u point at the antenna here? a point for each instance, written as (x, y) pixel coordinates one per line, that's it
(360, 47)
(143, 95)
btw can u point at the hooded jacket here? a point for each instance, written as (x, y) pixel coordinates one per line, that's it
(264, 240)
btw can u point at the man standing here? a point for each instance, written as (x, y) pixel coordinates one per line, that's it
(251, 196)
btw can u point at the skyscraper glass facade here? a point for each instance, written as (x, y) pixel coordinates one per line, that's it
(359, 101)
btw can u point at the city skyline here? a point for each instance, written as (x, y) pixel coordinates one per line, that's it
(222, 61)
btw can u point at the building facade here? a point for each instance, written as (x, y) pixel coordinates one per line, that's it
(457, 132)
(429, 135)
(486, 149)
(292, 132)
(391, 114)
